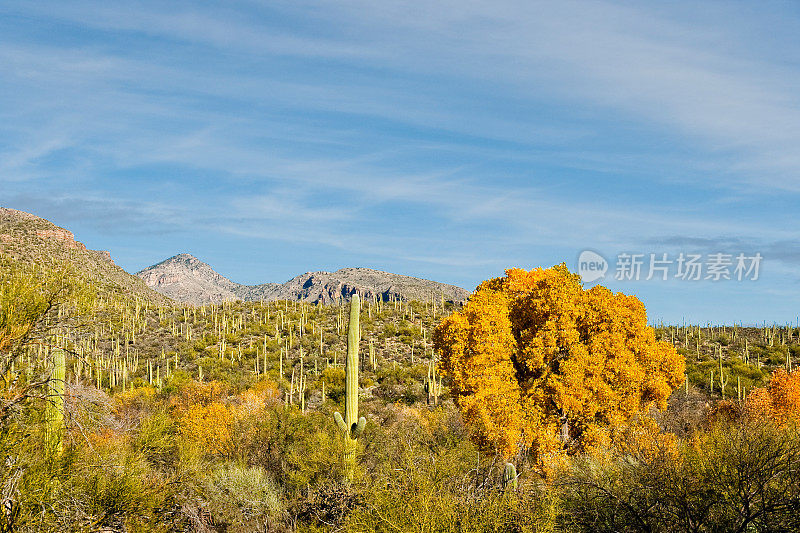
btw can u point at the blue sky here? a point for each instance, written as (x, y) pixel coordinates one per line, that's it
(446, 140)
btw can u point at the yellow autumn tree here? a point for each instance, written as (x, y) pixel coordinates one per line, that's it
(536, 361)
(780, 400)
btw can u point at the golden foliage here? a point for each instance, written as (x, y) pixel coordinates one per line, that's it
(209, 427)
(205, 421)
(202, 419)
(196, 392)
(133, 398)
(780, 400)
(253, 401)
(641, 437)
(105, 439)
(537, 361)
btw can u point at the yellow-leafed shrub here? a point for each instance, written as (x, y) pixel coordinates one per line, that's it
(780, 400)
(208, 426)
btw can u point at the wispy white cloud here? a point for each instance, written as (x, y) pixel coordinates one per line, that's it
(656, 67)
(450, 134)
(105, 212)
(20, 163)
(694, 77)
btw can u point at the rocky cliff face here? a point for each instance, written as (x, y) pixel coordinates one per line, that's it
(331, 286)
(60, 235)
(187, 279)
(20, 226)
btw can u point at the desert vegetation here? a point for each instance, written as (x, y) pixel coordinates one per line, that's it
(537, 406)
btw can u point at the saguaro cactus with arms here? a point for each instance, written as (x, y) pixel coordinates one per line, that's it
(351, 426)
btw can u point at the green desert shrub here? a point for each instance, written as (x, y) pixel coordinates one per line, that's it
(241, 497)
(334, 383)
(422, 473)
(736, 476)
(156, 439)
(299, 449)
(108, 486)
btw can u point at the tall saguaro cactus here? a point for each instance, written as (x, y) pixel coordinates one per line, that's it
(351, 426)
(55, 403)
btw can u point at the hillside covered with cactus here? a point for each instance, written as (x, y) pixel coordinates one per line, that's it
(127, 411)
(297, 345)
(38, 243)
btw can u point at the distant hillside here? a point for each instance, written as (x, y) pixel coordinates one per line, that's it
(187, 279)
(27, 238)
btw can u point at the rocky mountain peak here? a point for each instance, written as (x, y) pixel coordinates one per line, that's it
(185, 278)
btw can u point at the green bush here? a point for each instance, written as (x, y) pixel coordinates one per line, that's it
(156, 439)
(242, 498)
(298, 449)
(334, 383)
(740, 476)
(420, 475)
(109, 488)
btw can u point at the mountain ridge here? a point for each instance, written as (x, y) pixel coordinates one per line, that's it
(28, 238)
(185, 278)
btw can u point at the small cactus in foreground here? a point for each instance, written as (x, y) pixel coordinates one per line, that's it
(55, 402)
(509, 477)
(350, 425)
